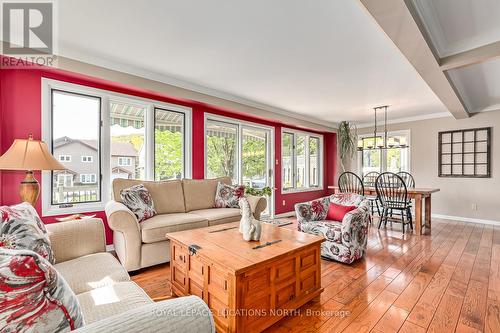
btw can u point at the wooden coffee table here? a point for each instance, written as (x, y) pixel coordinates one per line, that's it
(248, 285)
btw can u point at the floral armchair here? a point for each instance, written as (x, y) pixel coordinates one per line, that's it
(345, 241)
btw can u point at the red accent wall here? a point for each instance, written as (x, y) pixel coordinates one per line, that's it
(20, 114)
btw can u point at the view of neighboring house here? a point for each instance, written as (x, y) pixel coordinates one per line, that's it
(82, 160)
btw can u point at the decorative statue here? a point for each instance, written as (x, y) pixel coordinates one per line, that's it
(249, 226)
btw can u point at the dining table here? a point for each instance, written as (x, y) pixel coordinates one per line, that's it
(421, 195)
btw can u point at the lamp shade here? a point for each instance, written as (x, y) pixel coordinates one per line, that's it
(29, 155)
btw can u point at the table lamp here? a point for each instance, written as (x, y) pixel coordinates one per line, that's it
(29, 155)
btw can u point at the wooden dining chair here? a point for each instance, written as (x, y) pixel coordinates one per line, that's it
(350, 182)
(407, 178)
(369, 181)
(393, 195)
(410, 183)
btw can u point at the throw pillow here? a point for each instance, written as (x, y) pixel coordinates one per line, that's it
(337, 212)
(139, 201)
(228, 196)
(21, 228)
(35, 297)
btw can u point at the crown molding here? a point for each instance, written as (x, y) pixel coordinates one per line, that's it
(409, 119)
(180, 83)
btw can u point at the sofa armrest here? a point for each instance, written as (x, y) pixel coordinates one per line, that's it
(355, 224)
(126, 234)
(184, 314)
(303, 212)
(312, 211)
(257, 205)
(76, 238)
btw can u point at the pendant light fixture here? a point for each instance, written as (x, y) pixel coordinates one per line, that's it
(385, 141)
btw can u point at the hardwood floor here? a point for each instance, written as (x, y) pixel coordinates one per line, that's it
(444, 281)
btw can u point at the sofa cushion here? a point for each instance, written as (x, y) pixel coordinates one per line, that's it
(217, 216)
(167, 195)
(228, 196)
(138, 199)
(101, 269)
(155, 228)
(34, 296)
(337, 212)
(114, 299)
(200, 193)
(21, 228)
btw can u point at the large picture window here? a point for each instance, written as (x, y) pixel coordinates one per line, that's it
(301, 161)
(169, 144)
(222, 150)
(75, 132)
(127, 133)
(109, 136)
(241, 150)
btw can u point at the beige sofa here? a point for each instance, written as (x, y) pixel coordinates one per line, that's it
(110, 301)
(180, 205)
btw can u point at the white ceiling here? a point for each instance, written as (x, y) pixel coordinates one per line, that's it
(455, 26)
(479, 85)
(325, 59)
(460, 25)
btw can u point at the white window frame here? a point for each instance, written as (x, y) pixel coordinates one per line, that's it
(383, 155)
(307, 174)
(86, 178)
(240, 124)
(65, 175)
(87, 159)
(124, 158)
(105, 139)
(64, 158)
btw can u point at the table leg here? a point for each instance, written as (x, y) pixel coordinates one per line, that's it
(418, 214)
(428, 211)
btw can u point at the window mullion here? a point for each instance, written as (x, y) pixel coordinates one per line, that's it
(239, 156)
(294, 160)
(307, 161)
(149, 129)
(105, 151)
(383, 156)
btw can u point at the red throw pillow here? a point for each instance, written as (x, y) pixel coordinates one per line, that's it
(337, 212)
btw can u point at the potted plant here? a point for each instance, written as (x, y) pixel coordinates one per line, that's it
(347, 137)
(261, 192)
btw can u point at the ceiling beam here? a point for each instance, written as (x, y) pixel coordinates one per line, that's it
(471, 57)
(398, 22)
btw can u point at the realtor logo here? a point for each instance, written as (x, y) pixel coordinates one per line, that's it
(28, 28)
(28, 31)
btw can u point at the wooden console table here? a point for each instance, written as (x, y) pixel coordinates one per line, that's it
(419, 195)
(248, 285)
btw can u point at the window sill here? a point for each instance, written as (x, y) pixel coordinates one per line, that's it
(76, 209)
(301, 190)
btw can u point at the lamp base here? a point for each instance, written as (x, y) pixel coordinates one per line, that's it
(29, 189)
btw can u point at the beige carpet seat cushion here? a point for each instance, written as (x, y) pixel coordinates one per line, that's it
(217, 216)
(200, 193)
(111, 300)
(92, 271)
(168, 196)
(155, 228)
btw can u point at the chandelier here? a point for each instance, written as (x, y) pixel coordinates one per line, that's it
(383, 141)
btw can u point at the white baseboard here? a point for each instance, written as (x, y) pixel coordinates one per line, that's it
(110, 248)
(439, 216)
(466, 219)
(282, 215)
